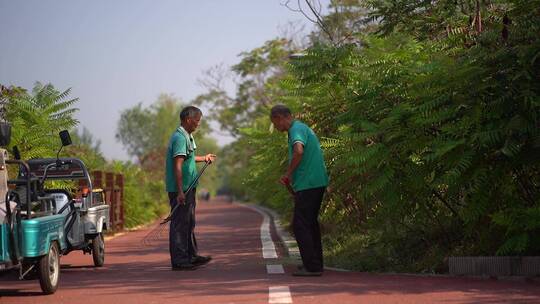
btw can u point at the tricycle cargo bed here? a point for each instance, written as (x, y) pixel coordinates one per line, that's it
(40, 232)
(96, 219)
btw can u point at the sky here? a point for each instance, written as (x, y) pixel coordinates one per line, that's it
(116, 54)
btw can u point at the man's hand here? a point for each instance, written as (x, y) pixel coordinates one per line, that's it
(285, 180)
(210, 158)
(181, 198)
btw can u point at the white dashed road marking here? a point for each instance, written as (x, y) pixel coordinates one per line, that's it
(279, 295)
(276, 294)
(275, 269)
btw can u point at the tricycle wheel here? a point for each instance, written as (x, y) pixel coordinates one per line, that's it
(49, 270)
(98, 250)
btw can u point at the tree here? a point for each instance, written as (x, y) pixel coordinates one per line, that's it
(258, 73)
(87, 148)
(145, 132)
(37, 118)
(87, 139)
(438, 20)
(430, 129)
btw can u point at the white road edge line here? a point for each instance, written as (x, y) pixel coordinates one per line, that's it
(268, 247)
(279, 295)
(276, 294)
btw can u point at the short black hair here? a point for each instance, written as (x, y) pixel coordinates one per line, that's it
(280, 110)
(189, 111)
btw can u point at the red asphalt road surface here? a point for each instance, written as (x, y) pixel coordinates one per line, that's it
(140, 273)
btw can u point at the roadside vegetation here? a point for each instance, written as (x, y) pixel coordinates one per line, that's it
(38, 115)
(428, 113)
(145, 133)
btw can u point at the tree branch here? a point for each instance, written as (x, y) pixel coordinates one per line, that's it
(321, 24)
(316, 10)
(439, 196)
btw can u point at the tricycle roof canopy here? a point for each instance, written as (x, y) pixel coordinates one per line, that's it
(70, 168)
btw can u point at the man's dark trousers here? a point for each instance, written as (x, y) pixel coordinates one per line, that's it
(182, 242)
(306, 227)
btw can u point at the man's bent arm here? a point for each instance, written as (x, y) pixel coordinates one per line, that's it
(178, 162)
(298, 152)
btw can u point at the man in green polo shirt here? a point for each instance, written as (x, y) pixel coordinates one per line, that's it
(180, 173)
(306, 173)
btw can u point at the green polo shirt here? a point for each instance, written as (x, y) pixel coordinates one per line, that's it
(178, 147)
(311, 172)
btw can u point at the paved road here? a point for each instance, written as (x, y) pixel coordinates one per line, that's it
(139, 272)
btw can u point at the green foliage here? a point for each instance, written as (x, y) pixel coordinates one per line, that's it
(210, 180)
(145, 132)
(144, 196)
(431, 134)
(258, 74)
(85, 147)
(436, 20)
(37, 117)
(266, 163)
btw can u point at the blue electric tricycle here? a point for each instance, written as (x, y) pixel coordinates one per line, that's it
(39, 223)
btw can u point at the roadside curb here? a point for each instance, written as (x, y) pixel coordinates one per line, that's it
(292, 250)
(284, 236)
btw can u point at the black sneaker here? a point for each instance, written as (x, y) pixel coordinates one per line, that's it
(200, 260)
(184, 267)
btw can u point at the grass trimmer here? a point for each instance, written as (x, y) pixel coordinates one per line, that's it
(155, 233)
